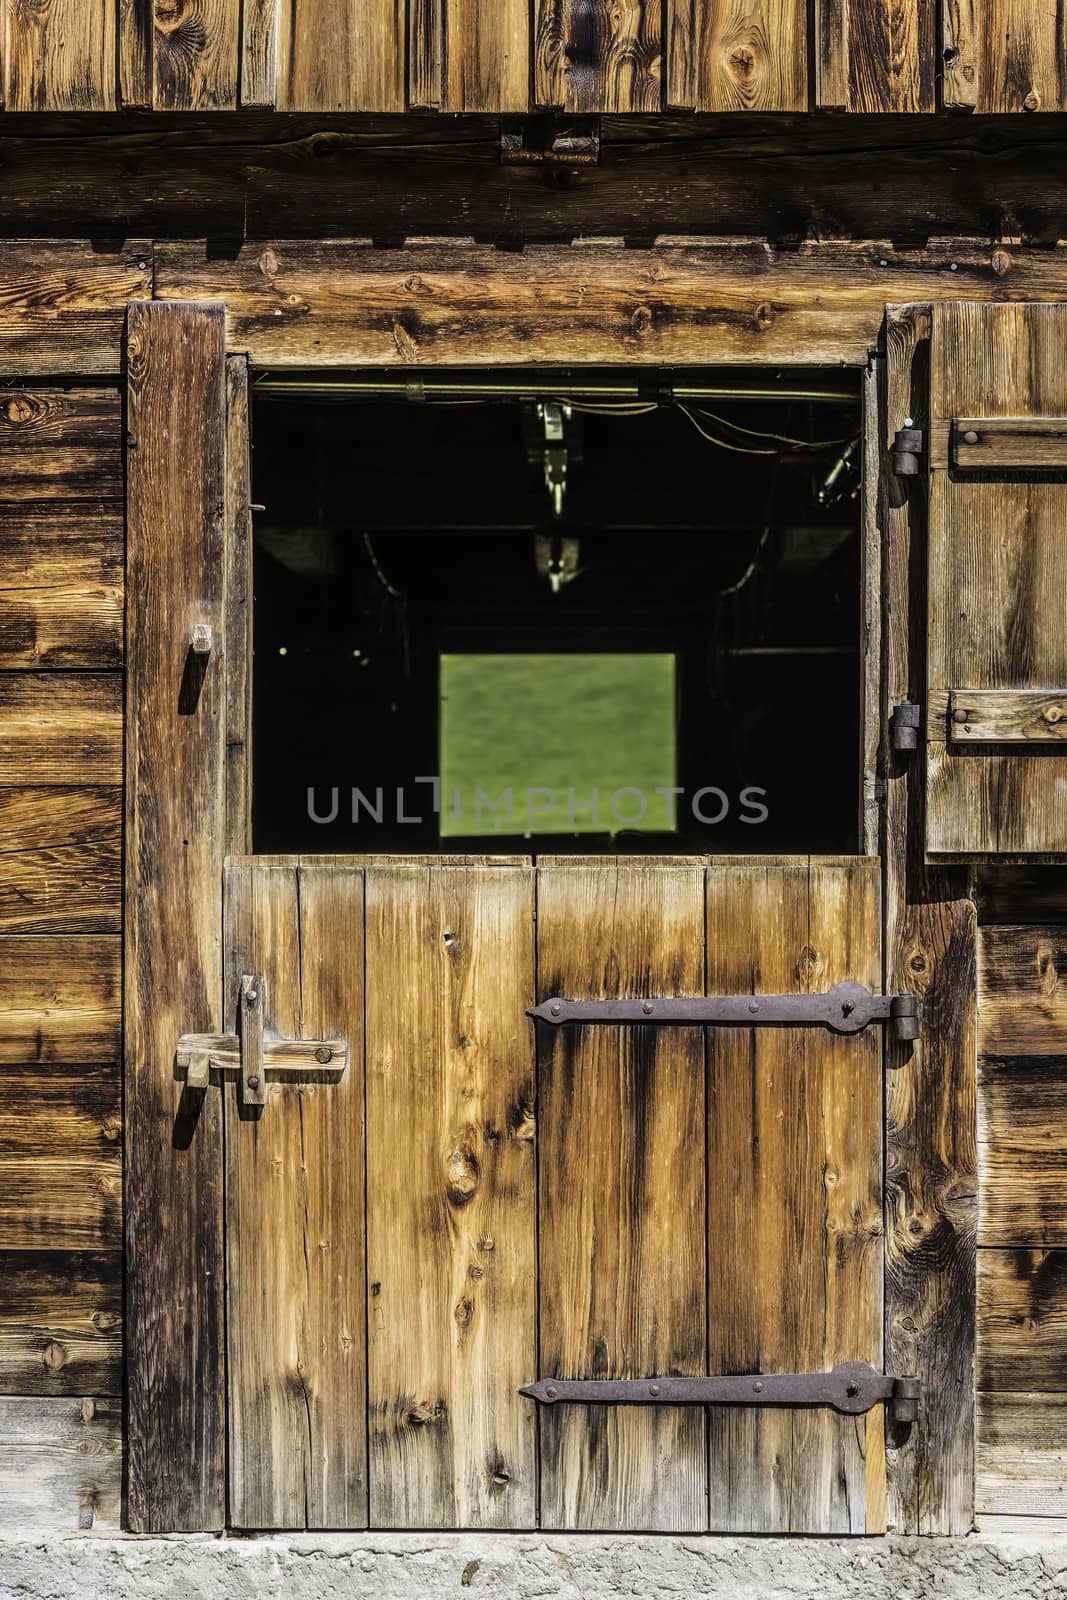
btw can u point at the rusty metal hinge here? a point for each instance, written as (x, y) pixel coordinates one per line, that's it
(550, 141)
(904, 725)
(846, 1008)
(253, 1055)
(907, 449)
(852, 1387)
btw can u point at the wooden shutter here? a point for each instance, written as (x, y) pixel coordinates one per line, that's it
(996, 713)
(574, 1203)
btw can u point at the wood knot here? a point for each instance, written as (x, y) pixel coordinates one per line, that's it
(1002, 262)
(425, 1412)
(1032, 101)
(641, 320)
(464, 1313)
(54, 1356)
(764, 315)
(413, 283)
(463, 1175)
(269, 264)
(742, 61)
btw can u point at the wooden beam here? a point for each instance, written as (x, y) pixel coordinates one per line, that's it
(174, 840)
(296, 304)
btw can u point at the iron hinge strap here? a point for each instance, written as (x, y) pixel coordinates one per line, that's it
(846, 1008)
(852, 1387)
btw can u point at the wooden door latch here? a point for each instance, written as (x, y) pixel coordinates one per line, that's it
(254, 1054)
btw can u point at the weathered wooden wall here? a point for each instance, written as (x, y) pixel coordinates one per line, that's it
(61, 649)
(575, 56)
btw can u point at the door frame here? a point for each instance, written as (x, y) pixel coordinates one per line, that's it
(929, 916)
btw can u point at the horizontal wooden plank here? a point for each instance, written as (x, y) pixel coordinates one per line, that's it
(62, 1464)
(1023, 989)
(1022, 1153)
(63, 304)
(1009, 443)
(59, 999)
(1022, 1320)
(294, 304)
(1007, 716)
(62, 856)
(1021, 894)
(44, 420)
(61, 586)
(49, 1112)
(60, 1158)
(61, 1323)
(61, 728)
(1022, 1455)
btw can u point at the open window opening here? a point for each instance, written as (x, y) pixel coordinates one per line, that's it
(557, 611)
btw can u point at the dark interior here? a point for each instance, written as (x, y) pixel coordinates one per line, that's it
(403, 525)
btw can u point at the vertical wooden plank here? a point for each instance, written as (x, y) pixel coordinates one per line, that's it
(296, 1284)
(196, 48)
(238, 610)
(622, 1203)
(738, 55)
(794, 1186)
(893, 56)
(135, 42)
(831, 24)
(959, 54)
(451, 1226)
(259, 54)
(870, 830)
(599, 55)
(931, 1121)
(486, 55)
(173, 922)
(1022, 57)
(342, 56)
(425, 43)
(59, 55)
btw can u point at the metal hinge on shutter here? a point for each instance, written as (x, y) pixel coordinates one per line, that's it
(846, 1008)
(907, 450)
(253, 1055)
(851, 1388)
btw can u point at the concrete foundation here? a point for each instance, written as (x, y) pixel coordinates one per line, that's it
(529, 1567)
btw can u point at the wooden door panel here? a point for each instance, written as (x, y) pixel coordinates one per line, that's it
(295, 1265)
(451, 1226)
(997, 581)
(621, 1193)
(794, 1186)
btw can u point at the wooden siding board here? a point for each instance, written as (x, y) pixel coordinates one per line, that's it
(1023, 1152)
(931, 1123)
(451, 1246)
(1022, 1454)
(738, 55)
(59, 1000)
(61, 587)
(296, 1282)
(1022, 57)
(1024, 991)
(62, 855)
(61, 1329)
(343, 56)
(61, 729)
(1022, 1321)
(63, 304)
(622, 1202)
(795, 1236)
(174, 799)
(486, 55)
(892, 56)
(196, 51)
(959, 47)
(603, 57)
(63, 1464)
(60, 1158)
(59, 55)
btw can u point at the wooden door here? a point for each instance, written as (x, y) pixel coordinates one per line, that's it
(996, 700)
(480, 1202)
